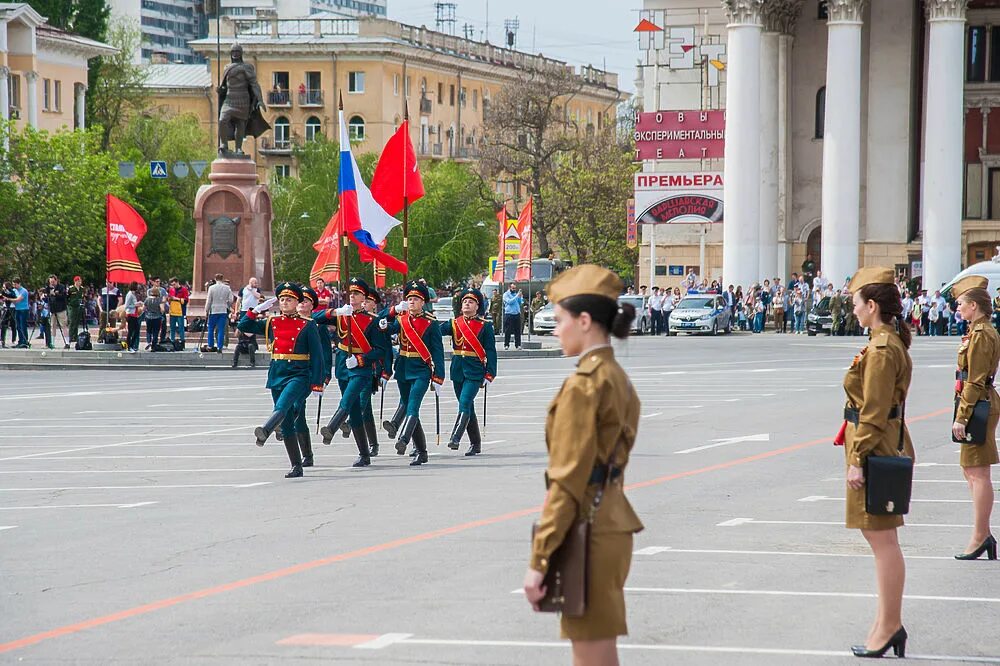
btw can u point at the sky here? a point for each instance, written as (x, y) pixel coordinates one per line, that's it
(579, 32)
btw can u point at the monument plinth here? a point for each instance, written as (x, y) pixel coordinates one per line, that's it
(232, 229)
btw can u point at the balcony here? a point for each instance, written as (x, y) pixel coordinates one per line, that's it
(310, 98)
(425, 106)
(277, 146)
(278, 99)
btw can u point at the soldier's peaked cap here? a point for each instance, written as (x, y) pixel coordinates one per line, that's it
(360, 286)
(585, 280)
(414, 288)
(967, 283)
(871, 275)
(289, 289)
(474, 294)
(310, 293)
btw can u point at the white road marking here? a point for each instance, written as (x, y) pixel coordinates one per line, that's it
(146, 487)
(137, 441)
(649, 416)
(7, 527)
(725, 441)
(77, 506)
(139, 471)
(822, 498)
(736, 522)
(656, 550)
(802, 593)
(383, 641)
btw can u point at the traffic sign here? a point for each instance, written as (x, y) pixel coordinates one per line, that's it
(158, 169)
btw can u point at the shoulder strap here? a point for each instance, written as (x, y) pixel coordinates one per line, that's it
(599, 495)
(902, 425)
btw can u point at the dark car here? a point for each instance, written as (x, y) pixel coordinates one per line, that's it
(819, 320)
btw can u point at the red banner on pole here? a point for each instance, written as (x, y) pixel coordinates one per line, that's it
(524, 231)
(327, 264)
(125, 230)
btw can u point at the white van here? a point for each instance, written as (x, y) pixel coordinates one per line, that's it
(988, 269)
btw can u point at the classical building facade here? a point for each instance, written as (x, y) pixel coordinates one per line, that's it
(381, 68)
(43, 71)
(857, 131)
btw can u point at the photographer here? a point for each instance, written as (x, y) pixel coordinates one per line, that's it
(55, 294)
(42, 316)
(7, 297)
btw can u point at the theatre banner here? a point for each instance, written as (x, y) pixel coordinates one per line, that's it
(679, 198)
(680, 135)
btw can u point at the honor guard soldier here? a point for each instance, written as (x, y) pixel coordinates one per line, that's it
(420, 363)
(296, 364)
(473, 365)
(305, 310)
(381, 374)
(360, 344)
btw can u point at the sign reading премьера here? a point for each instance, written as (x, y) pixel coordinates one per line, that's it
(680, 135)
(679, 198)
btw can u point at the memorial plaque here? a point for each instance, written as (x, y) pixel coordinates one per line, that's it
(223, 233)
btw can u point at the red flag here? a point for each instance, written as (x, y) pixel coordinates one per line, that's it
(396, 174)
(125, 230)
(502, 219)
(646, 25)
(327, 264)
(524, 231)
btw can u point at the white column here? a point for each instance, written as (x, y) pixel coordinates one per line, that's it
(80, 91)
(768, 254)
(984, 189)
(842, 141)
(32, 79)
(4, 93)
(943, 141)
(741, 229)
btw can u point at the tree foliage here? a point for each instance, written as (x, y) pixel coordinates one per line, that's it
(116, 93)
(88, 18)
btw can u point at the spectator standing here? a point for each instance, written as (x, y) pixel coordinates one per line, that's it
(250, 297)
(22, 304)
(43, 319)
(656, 311)
(513, 301)
(799, 311)
(108, 304)
(75, 301)
(132, 312)
(809, 270)
(925, 309)
(933, 318)
(153, 306)
(178, 296)
(220, 297)
(537, 303)
(778, 308)
(323, 294)
(55, 294)
(7, 320)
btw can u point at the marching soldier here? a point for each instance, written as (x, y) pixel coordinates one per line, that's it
(74, 299)
(420, 363)
(381, 373)
(296, 364)
(473, 365)
(359, 345)
(305, 310)
(836, 312)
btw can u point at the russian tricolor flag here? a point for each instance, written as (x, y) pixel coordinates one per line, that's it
(362, 219)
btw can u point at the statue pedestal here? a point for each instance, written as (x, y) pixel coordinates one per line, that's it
(232, 230)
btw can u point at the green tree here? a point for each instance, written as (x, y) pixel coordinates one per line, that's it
(52, 189)
(117, 91)
(588, 198)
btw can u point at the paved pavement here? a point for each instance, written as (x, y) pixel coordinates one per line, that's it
(139, 524)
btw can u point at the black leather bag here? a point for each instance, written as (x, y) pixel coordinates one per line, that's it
(889, 480)
(975, 429)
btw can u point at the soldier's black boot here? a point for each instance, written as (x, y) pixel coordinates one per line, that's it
(278, 434)
(345, 429)
(305, 445)
(339, 418)
(405, 434)
(292, 447)
(372, 434)
(361, 439)
(456, 433)
(419, 440)
(421, 443)
(475, 437)
(263, 432)
(392, 425)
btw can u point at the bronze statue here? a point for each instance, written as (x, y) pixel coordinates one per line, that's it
(240, 105)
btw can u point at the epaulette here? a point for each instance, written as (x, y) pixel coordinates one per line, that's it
(882, 339)
(979, 327)
(588, 364)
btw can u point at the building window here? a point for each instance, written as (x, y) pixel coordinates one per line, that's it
(356, 128)
(278, 95)
(314, 128)
(281, 132)
(822, 13)
(282, 171)
(356, 82)
(462, 97)
(995, 55)
(46, 94)
(14, 85)
(451, 95)
(475, 99)
(440, 93)
(57, 89)
(975, 57)
(395, 85)
(820, 121)
(423, 85)
(406, 86)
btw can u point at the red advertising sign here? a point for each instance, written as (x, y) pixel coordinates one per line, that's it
(632, 233)
(679, 135)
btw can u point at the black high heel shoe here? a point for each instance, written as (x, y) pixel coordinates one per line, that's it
(989, 547)
(897, 643)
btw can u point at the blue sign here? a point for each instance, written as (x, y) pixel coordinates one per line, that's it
(158, 169)
(676, 270)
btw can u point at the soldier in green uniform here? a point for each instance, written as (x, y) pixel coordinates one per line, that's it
(381, 374)
(360, 344)
(74, 301)
(496, 310)
(305, 310)
(836, 312)
(537, 303)
(296, 364)
(473, 365)
(420, 363)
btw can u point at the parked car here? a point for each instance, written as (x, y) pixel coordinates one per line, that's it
(442, 309)
(641, 324)
(545, 320)
(819, 320)
(701, 314)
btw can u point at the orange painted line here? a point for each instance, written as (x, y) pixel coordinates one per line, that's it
(379, 548)
(326, 640)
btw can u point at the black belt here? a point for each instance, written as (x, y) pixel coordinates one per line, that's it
(854, 415)
(599, 473)
(963, 375)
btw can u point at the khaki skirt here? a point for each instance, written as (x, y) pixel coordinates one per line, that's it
(978, 455)
(610, 559)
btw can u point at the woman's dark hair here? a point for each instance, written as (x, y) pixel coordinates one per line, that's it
(981, 298)
(890, 305)
(133, 286)
(614, 317)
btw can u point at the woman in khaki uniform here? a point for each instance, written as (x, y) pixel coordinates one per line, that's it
(876, 385)
(593, 418)
(977, 365)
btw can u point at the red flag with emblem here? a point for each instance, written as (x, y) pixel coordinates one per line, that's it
(327, 264)
(524, 230)
(125, 229)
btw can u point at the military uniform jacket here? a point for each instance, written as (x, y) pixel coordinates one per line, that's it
(410, 366)
(294, 344)
(596, 408)
(383, 366)
(327, 343)
(465, 362)
(367, 342)
(74, 296)
(978, 357)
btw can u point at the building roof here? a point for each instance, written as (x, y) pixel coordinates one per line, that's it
(178, 76)
(22, 10)
(91, 48)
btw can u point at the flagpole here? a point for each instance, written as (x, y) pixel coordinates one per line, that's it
(406, 202)
(530, 265)
(346, 259)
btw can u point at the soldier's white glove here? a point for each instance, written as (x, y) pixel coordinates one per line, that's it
(402, 308)
(436, 387)
(345, 311)
(384, 381)
(266, 305)
(487, 382)
(383, 324)
(352, 361)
